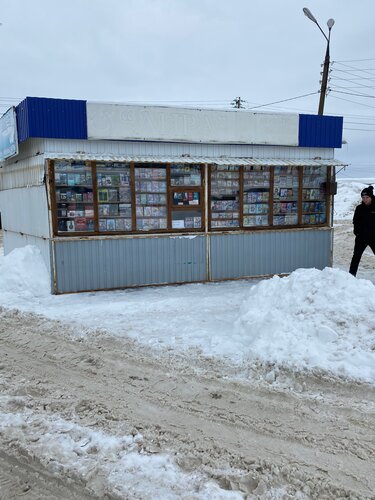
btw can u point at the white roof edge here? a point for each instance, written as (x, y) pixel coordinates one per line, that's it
(222, 160)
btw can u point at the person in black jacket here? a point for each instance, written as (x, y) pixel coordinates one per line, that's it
(364, 227)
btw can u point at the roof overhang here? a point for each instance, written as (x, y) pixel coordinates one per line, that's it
(222, 160)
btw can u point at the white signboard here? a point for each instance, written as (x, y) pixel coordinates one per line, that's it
(156, 123)
(8, 134)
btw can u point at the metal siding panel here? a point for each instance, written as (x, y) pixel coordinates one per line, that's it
(159, 123)
(29, 172)
(51, 118)
(320, 131)
(22, 117)
(268, 252)
(197, 159)
(132, 148)
(116, 263)
(25, 210)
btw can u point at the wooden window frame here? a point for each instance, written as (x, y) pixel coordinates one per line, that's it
(204, 206)
(133, 165)
(271, 224)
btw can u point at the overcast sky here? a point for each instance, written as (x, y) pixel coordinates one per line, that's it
(195, 53)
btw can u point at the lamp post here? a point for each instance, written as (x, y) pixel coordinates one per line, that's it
(323, 88)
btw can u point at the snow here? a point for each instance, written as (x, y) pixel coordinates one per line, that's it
(310, 320)
(348, 196)
(130, 470)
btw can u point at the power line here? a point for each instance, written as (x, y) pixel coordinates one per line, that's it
(356, 77)
(283, 100)
(361, 129)
(363, 117)
(352, 93)
(359, 123)
(355, 60)
(364, 70)
(353, 87)
(353, 102)
(350, 80)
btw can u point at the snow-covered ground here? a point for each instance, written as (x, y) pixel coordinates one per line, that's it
(309, 321)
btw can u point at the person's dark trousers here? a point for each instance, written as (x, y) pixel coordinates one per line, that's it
(359, 248)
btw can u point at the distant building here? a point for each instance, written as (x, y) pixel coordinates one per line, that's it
(118, 195)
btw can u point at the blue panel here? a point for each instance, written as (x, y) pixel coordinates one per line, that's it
(51, 118)
(22, 121)
(319, 131)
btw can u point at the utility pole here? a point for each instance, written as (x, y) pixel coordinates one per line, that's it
(237, 103)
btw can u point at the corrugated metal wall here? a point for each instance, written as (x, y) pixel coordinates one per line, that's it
(269, 252)
(45, 117)
(135, 148)
(320, 131)
(29, 172)
(25, 210)
(123, 262)
(27, 169)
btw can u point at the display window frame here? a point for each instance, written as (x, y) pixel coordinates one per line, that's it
(271, 202)
(225, 198)
(319, 203)
(168, 194)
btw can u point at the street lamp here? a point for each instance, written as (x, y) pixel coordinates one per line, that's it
(323, 88)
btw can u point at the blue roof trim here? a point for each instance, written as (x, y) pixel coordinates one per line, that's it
(51, 118)
(319, 131)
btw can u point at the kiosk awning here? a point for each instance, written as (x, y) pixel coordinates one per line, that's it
(221, 160)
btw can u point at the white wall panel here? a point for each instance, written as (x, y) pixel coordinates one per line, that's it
(93, 147)
(26, 169)
(156, 123)
(25, 210)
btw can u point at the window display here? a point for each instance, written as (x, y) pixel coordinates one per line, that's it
(151, 197)
(186, 219)
(256, 195)
(74, 197)
(186, 197)
(114, 196)
(285, 196)
(314, 208)
(225, 196)
(186, 175)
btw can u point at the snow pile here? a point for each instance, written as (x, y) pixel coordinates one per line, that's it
(309, 320)
(312, 319)
(24, 274)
